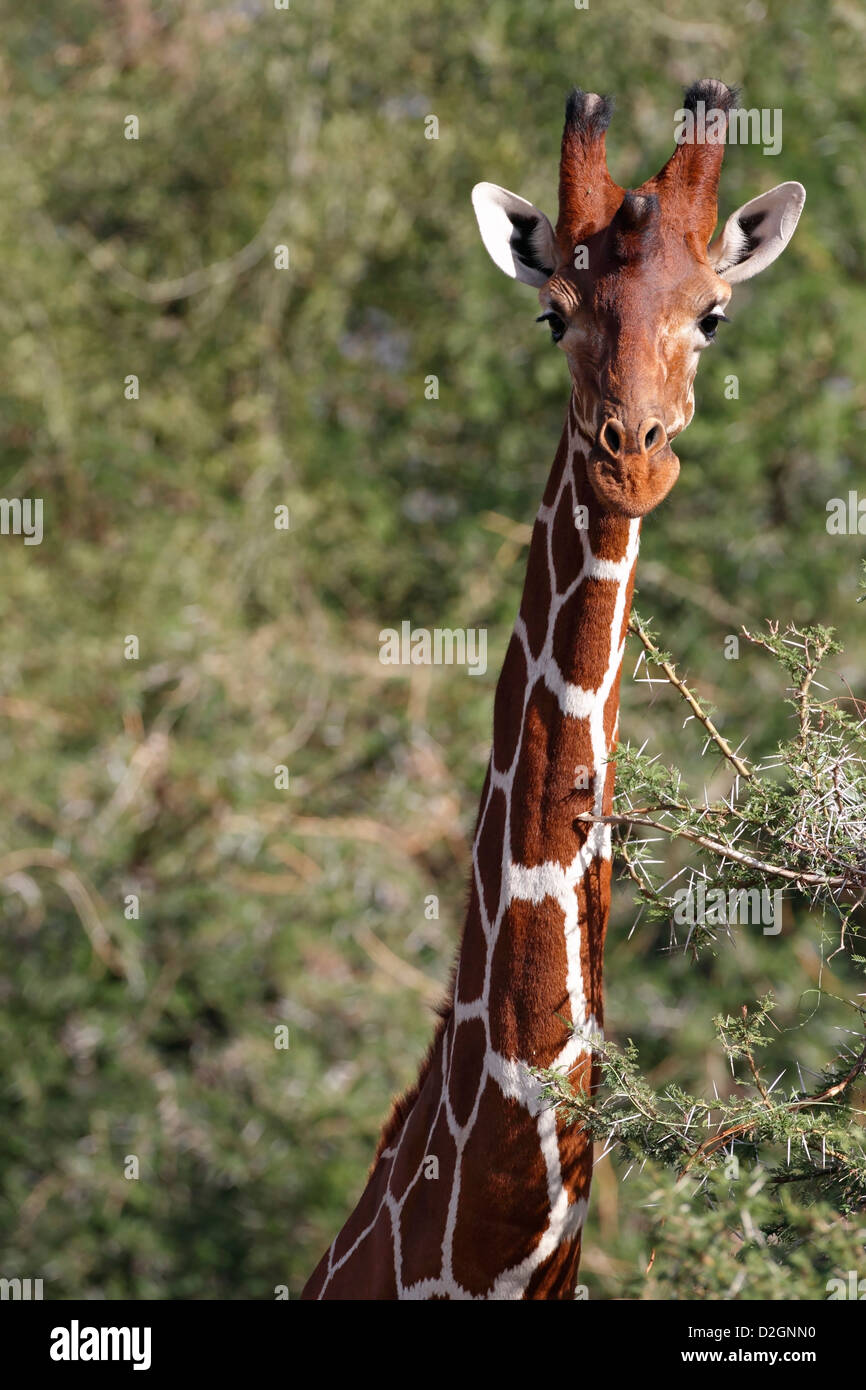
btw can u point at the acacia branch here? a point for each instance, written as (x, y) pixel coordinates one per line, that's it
(717, 1140)
(635, 626)
(723, 850)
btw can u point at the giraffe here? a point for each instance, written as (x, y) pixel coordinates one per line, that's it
(477, 1189)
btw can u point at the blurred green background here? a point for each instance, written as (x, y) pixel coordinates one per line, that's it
(304, 387)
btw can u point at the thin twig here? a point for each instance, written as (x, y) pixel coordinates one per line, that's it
(717, 1140)
(694, 704)
(726, 851)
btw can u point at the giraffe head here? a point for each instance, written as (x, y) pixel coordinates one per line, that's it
(632, 286)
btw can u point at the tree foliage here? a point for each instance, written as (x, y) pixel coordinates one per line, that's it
(261, 387)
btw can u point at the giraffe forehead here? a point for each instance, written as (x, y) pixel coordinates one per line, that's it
(658, 292)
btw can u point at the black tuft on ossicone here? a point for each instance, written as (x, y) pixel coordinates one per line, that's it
(712, 92)
(587, 113)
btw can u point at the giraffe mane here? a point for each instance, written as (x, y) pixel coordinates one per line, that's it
(402, 1105)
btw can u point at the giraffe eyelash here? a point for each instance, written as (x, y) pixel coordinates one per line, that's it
(709, 323)
(558, 325)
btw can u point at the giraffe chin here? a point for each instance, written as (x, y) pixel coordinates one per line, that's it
(632, 486)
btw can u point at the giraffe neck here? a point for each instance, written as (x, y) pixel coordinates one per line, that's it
(478, 1190)
(555, 725)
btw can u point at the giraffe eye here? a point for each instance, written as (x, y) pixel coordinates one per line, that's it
(557, 325)
(709, 325)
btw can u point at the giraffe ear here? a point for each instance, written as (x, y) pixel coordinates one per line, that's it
(757, 233)
(519, 238)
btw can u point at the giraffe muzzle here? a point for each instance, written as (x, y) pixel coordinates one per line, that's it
(632, 470)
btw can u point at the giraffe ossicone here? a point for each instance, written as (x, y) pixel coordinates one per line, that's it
(499, 1214)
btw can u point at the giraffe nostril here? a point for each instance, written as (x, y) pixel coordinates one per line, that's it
(654, 436)
(612, 437)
